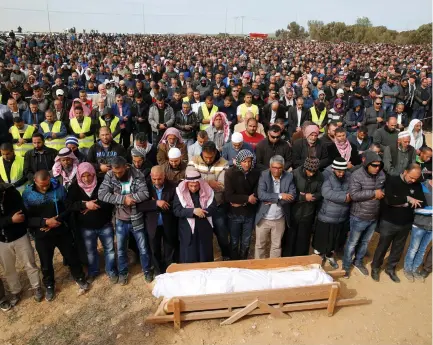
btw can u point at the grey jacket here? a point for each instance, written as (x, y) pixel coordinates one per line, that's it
(266, 193)
(110, 192)
(334, 207)
(154, 117)
(370, 119)
(396, 161)
(362, 188)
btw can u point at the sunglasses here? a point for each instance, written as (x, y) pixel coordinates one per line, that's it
(235, 90)
(378, 103)
(275, 137)
(375, 165)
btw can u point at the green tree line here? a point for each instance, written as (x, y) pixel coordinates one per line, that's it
(362, 32)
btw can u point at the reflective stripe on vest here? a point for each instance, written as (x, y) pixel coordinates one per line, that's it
(244, 110)
(20, 150)
(316, 120)
(56, 144)
(206, 115)
(87, 122)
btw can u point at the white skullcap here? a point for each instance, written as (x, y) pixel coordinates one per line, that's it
(174, 153)
(237, 138)
(403, 134)
(340, 91)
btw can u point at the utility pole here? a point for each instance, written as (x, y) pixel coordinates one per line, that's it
(144, 21)
(225, 26)
(242, 18)
(48, 16)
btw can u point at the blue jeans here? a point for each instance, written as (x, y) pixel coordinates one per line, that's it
(419, 113)
(123, 229)
(221, 231)
(419, 240)
(360, 233)
(106, 236)
(241, 229)
(387, 107)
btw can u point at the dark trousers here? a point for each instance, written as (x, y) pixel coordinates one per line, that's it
(162, 246)
(45, 248)
(428, 262)
(394, 236)
(2, 292)
(296, 239)
(125, 138)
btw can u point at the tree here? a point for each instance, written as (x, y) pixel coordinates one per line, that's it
(314, 27)
(364, 21)
(296, 31)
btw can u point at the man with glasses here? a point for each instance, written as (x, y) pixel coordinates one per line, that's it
(366, 189)
(272, 146)
(236, 91)
(374, 117)
(387, 135)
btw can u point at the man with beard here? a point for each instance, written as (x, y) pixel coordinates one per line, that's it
(374, 117)
(403, 194)
(205, 112)
(361, 140)
(297, 116)
(247, 106)
(271, 146)
(319, 115)
(161, 117)
(171, 139)
(250, 134)
(108, 119)
(328, 138)
(65, 167)
(232, 148)
(12, 167)
(72, 144)
(174, 168)
(140, 162)
(186, 121)
(343, 148)
(387, 135)
(140, 114)
(309, 146)
(397, 158)
(219, 130)
(142, 145)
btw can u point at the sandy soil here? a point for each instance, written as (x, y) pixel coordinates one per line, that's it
(112, 314)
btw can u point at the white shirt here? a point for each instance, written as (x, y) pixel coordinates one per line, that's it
(273, 116)
(299, 112)
(275, 211)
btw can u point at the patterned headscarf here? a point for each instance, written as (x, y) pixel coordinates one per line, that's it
(226, 125)
(241, 156)
(171, 131)
(311, 164)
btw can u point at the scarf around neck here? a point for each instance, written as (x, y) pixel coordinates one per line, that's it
(345, 149)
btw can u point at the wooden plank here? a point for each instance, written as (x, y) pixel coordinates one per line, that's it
(249, 264)
(219, 314)
(241, 299)
(266, 308)
(160, 310)
(176, 313)
(336, 274)
(332, 298)
(241, 313)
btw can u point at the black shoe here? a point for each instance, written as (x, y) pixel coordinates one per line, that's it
(50, 293)
(375, 274)
(90, 279)
(362, 269)
(114, 279)
(123, 279)
(332, 262)
(393, 276)
(5, 306)
(83, 284)
(424, 273)
(38, 294)
(14, 299)
(148, 277)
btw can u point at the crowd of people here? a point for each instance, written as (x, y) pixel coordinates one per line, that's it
(157, 143)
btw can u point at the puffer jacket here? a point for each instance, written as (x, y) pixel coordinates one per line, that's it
(334, 207)
(362, 186)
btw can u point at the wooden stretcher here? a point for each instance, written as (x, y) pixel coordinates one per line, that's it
(234, 306)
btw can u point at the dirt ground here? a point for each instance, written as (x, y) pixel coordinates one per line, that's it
(112, 314)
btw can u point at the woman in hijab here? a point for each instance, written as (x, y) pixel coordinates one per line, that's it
(240, 190)
(65, 167)
(417, 137)
(170, 139)
(78, 102)
(337, 112)
(91, 220)
(194, 204)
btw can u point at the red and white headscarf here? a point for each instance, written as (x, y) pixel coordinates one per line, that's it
(226, 125)
(171, 131)
(206, 194)
(58, 169)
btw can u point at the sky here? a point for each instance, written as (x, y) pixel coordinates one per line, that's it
(204, 17)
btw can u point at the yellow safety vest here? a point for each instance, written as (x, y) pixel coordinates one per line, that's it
(21, 150)
(318, 120)
(185, 99)
(58, 143)
(244, 109)
(206, 115)
(113, 126)
(17, 171)
(86, 142)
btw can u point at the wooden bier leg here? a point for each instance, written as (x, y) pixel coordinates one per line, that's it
(273, 311)
(332, 299)
(244, 311)
(176, 312)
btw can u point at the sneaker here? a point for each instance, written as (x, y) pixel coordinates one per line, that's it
(14, 299)
(361, 268)
(424, 273)
(114, 279)
(5, 306)
(375, 274)
(418, 276)
(316, 252)
(50, 293)
(123, 279)
(38, 294)
(148, 277)
(83, 284)
(346, 274)
(409, 276)
(332, 262)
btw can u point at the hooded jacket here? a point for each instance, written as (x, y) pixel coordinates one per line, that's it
(11, 203)
(362, 188)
